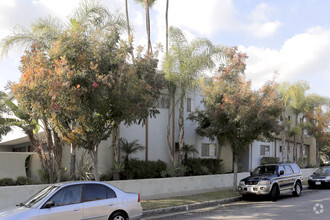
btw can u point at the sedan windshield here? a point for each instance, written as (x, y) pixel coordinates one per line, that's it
(39, 196)
(265, 170)
(323, 170)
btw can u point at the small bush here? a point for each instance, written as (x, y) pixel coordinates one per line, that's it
(198, 166)
(22, 180)
(105, 177)
(7, 182)
(269, 160)
(139, 169)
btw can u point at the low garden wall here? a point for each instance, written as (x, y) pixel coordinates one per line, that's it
(148, 188)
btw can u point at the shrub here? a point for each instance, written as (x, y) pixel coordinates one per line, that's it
(22, 180)
(139, 169)
(7, 182)
(269, 160)
(174, 171)
(198, 166)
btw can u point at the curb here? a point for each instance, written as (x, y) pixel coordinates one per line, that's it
(185, 208)
(151, 214)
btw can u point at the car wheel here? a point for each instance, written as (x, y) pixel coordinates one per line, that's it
(274, 193)
(118, 216)
(297, 189)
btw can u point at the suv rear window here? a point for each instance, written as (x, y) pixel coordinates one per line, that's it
(295, 168)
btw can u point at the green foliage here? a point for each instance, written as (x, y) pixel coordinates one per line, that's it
(199, 166)
(129, 148)
(84, 167)
(234, 112)
(184, 65)
(22, 180)
(139, 169)
(172, 171)
(4, 126)
(7, 182)
(105, 177)
(269, 160)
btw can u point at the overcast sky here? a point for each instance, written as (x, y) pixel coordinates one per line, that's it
(290, 37)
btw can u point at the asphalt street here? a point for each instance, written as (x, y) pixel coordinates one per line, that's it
(312, 204)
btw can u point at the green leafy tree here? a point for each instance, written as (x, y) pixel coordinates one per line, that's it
(189, 149)
(4, 128)
(183, 66)
(234, 113)
(100, 89)
(31, 92)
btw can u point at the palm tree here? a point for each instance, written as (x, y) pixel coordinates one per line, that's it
(90, 19)
(283, 90)
(44, 32)
(147, 4)
(189, 149)
(183, 66)
(129, 148)
(298, 104)
(130, 36)
(4, 128)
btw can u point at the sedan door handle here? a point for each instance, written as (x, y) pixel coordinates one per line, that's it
(76, 210)
(111, 204)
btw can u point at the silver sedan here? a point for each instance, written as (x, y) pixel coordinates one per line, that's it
(78, 200)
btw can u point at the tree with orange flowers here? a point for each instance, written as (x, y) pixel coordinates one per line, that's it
(233, 111)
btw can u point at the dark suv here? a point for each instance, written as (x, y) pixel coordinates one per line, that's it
(272, 180)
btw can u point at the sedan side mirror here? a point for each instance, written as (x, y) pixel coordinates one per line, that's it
(281, 172)
(49, 204)
(251, 173)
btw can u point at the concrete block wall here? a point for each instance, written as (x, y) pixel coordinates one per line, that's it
(148, 188)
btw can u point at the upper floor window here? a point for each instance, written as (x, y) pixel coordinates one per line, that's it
(209, 150)
(163, 101)
(264, 150)
(188, 104)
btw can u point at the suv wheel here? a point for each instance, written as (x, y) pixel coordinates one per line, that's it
(274, 193)
(297, 189)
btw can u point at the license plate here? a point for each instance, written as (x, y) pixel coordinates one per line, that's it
(317, 183)
(250, 189)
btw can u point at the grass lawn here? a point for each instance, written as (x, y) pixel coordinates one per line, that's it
(184, 200)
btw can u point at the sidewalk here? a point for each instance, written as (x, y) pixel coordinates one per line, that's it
(163, 213)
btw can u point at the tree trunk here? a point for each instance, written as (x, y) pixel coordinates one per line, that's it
(181, 128)
(93, 154)
(73, 163)
(115, 143)
(284, 148)
(147, 139)
(166, 21)
(130, 37)
(57, 155)
(148, 27)
(235, 172)
(295, 149)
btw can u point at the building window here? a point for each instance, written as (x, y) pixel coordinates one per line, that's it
(163, 101)
(281, 149)
(209, 150)
(264, 150)
(188, 104)
(289, 118)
